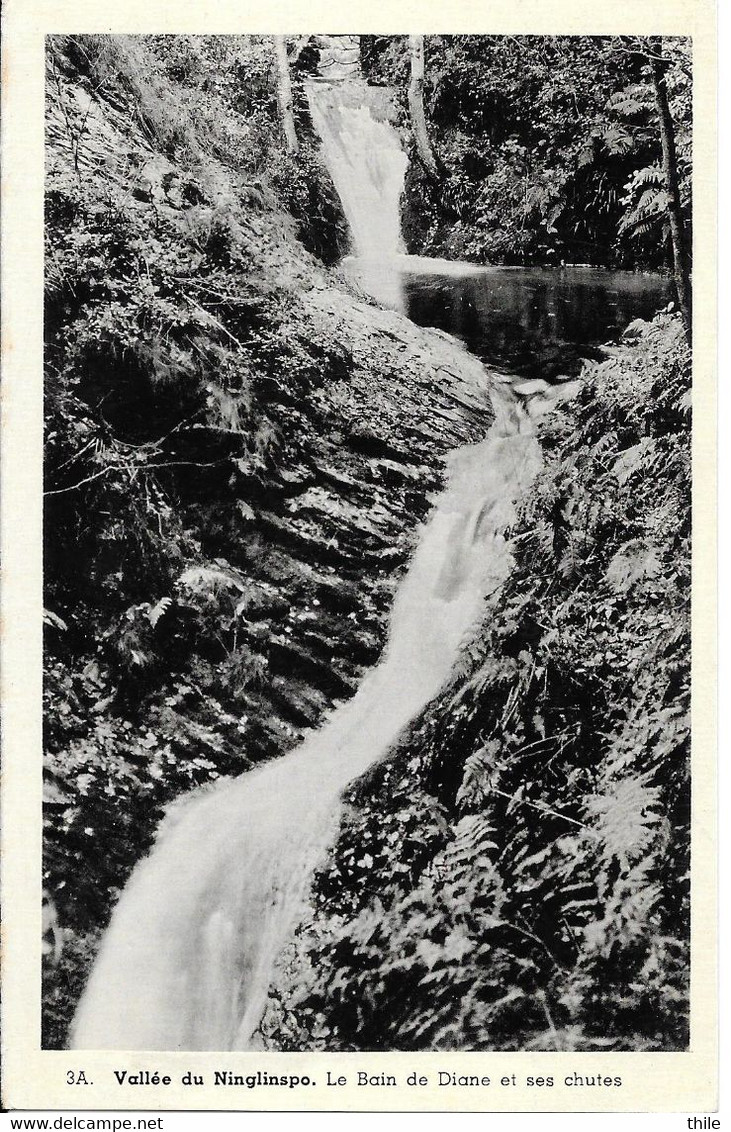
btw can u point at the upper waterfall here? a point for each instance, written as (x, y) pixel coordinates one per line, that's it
(366, 162)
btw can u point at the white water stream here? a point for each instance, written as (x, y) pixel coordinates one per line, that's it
(368, 165)
(187, 960)
(366, 162)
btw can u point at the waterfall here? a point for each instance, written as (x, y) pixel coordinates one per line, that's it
(187, 960)
(366, 162)
(363, 153)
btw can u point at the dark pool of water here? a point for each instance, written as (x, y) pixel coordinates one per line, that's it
(539, 322)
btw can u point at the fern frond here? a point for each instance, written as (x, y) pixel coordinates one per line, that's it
(209, 577)
(625, 817)
(616, 140)
(158, 610)
(474, 837)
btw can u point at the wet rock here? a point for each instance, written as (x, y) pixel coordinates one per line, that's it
(297, 701)
(295, 480)
(287, 656)
(362, 439)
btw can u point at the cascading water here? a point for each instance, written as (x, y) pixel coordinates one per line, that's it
(187, 960)
(366, 162)
(368, 165)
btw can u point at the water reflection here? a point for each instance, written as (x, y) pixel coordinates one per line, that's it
(533, 321)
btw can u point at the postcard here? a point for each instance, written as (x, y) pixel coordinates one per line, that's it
(358, 551)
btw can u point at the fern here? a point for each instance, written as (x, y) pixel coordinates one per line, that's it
(473, 837)
(159, 610)
(626, 818)
(645, 202)
(210, 578)
(632, 102)
(617, 140)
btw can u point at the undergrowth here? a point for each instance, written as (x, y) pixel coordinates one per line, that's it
(517, 877)
(177, 355)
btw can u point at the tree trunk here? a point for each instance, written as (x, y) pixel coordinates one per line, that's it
(284, 94)
(681, 272)
(416, 105)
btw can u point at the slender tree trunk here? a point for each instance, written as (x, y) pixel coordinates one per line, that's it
(416, 105)
(284, 94)
(681, 272)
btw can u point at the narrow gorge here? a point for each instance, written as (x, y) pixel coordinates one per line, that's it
(188, 958)
(368, 600)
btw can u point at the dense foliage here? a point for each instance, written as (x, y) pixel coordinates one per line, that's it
(548, 147)
(237, 453)
(226, 455)
(517, 876)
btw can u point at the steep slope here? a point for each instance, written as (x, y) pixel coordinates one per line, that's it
(238, 449)
(517, 876)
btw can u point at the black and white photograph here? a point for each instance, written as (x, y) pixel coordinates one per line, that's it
(369, 421)
(367, 559)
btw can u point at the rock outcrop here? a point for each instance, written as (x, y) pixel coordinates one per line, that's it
(240, 447)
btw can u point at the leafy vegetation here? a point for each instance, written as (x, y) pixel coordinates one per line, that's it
(549, 148)
(237, 453)
(517, 876)
(215, 437)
